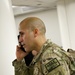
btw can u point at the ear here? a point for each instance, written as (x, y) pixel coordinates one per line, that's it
(36, 32)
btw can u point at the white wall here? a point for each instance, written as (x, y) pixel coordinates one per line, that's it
(70, 9)
(51, 21)
(8, 39)
(66, 16)
(63, 24)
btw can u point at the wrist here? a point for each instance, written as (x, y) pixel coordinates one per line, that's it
(19, 59)
(16, 62)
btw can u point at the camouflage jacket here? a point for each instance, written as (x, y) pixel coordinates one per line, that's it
(49, 61)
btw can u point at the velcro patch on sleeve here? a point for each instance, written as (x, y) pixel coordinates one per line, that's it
(51, 65)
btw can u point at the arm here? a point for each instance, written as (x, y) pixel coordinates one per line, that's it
(54, 64)
(19, 63)
(20, 67)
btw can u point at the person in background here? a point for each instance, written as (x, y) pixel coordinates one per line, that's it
(50, 58)
(72, 52)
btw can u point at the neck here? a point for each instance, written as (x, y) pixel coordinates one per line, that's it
(40, 43)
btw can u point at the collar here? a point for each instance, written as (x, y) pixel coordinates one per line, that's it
(43, 48)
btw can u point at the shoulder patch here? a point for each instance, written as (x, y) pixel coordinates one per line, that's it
(54, 63)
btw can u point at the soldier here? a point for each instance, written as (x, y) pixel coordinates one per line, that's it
(50, 59)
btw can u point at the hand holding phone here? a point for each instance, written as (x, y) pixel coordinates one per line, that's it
(21, 46)
(20, 54)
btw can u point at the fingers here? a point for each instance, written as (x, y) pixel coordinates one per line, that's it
(20, 54)
(34, 52)
(17, 47)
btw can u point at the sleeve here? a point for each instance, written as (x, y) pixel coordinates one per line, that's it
(52, 64)
(21, 68)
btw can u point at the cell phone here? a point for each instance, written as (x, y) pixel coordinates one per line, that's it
(21, 46)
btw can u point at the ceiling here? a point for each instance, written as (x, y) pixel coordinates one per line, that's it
(26, 6)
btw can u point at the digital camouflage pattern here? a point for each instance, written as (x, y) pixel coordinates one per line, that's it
(71, 55)
(51, 60)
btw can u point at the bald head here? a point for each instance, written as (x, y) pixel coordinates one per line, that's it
(32, 23)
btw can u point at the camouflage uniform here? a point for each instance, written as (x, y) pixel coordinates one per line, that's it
(51, 60)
